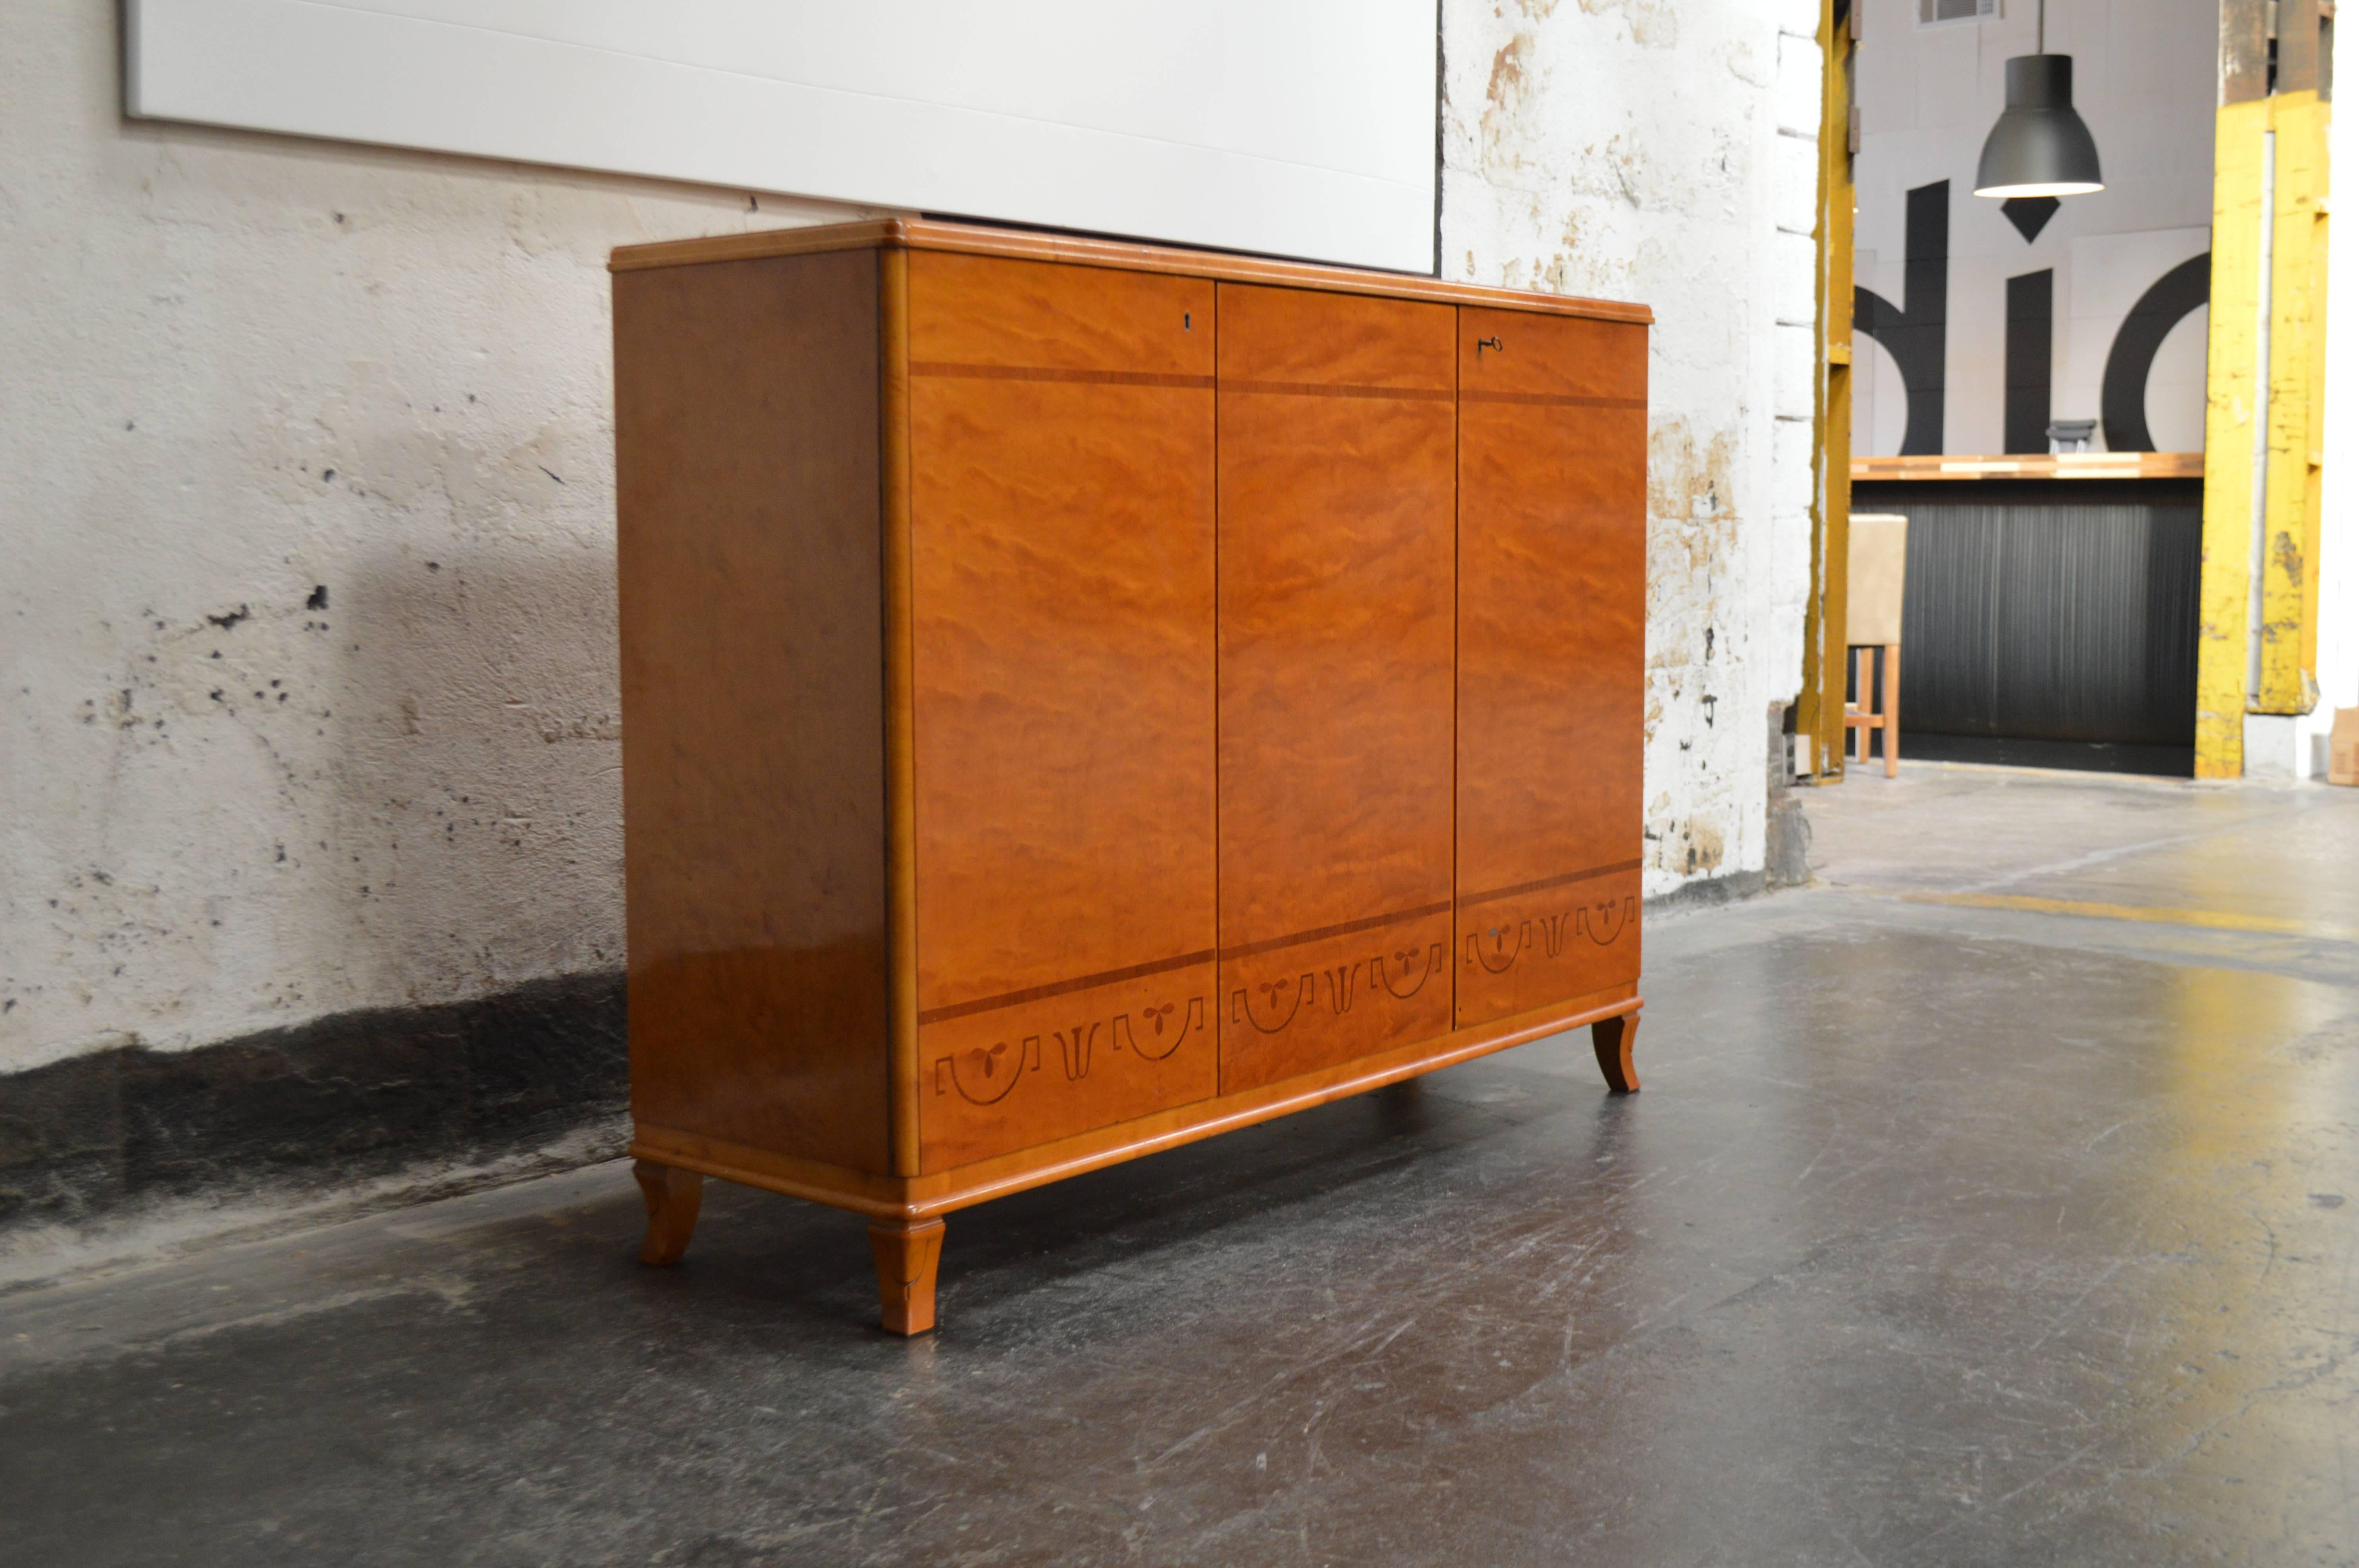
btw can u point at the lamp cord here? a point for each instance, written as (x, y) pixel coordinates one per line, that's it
(2043, 28)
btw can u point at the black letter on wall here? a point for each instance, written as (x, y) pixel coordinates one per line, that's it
(1918, 336)
(2030, 348)
(2158, 309)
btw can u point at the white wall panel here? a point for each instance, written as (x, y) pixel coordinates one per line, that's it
(1294, 127)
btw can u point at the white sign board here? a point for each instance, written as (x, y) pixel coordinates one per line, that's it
(1289, 127)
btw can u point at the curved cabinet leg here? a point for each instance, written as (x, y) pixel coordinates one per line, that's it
(673, 1197)
(908, 1255)
(1614, 1037)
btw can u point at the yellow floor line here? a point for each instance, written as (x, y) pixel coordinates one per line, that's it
(2212, 919)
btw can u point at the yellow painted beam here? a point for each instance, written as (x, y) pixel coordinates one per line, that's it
(2297, 337)
(2297, 188)
(2231, 404)
(2320, 223)
(1819, 711)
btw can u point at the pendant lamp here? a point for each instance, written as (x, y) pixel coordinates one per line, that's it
(2039, 147)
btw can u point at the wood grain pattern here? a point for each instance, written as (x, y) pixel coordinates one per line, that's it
(754, 789)
(1551, 651)
(1029, 244)
(1336, 614)
(1026, 315)
(1063, 604)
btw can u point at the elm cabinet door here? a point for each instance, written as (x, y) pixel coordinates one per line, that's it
(1551, 655)
(1337, 444)
(1061, 430)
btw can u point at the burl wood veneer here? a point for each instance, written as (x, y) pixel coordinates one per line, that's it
(1080, 697)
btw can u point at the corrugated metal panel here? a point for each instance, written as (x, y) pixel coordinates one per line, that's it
(2055, 611)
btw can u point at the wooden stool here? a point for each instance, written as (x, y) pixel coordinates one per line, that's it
(1879, 570)
(1858, 720)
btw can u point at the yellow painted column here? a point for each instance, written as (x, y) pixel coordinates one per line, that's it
(2296, 409)
(2292, 460)
(2231, 404)
(1819, 711)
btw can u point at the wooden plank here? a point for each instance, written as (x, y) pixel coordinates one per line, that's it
(1062, 573)
(2244, 51)
(2064, 465)
(1551, 655)
(2231, 404)
(2300, 26)
(1338, 515)
(746, 465)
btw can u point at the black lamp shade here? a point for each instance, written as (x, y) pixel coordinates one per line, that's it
(2039, 147)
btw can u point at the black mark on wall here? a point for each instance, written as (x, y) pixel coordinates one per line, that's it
(345, 1098)
(1916, 332)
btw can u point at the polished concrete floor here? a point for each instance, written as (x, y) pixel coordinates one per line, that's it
(1996, 1201)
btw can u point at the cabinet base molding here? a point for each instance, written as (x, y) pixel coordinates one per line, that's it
(906, 1211)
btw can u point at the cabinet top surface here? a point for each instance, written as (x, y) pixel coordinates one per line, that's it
(922, 234)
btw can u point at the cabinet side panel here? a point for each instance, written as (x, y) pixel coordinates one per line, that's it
(1551, 658)
(1337, 507)
(747, 476)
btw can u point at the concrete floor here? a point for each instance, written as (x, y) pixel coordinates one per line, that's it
(1996, 1201)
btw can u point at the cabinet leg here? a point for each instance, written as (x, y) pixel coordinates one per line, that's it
(1614, 1037)
(909, 1253)
(673, 1197)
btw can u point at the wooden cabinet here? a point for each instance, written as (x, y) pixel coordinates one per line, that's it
(1080, 697)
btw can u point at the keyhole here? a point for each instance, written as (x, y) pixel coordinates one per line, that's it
(1187, 321)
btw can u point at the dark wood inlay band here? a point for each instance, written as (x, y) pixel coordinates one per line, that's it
(1554, 400)
(1061, 988)
(1042, 372)
(1339, 389)
(1545, 882)
(1253, 949)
